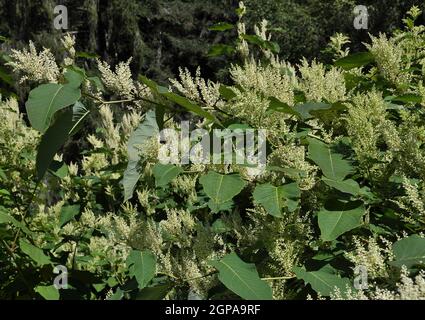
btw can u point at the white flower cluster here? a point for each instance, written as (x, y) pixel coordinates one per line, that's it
(39, 67)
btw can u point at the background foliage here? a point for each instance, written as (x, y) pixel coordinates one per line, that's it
(82, 185)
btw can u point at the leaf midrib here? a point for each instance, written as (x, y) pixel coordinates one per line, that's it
(234, 272)
(51, 104)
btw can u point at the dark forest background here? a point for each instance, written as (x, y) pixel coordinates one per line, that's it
(162, 35)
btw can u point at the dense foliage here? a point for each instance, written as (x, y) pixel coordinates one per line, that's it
(343, 187)
(162, 35)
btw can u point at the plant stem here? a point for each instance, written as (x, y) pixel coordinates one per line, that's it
(13, 247)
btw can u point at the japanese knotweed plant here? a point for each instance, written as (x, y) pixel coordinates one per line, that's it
(342, 189)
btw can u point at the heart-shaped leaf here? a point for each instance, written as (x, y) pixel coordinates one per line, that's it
(242, 278)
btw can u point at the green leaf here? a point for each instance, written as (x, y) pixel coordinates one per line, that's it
(227, 92)
(158, 292)
(341, 218)
(2, 175)
(242, 278)
(221, 26)
(347, 186)
(221, 188)
(333, 166)
(221, 50)
(48, 292)
(86, 55)
(264, 44)
(279, 106)
(219, 226)
(74, 77)
(68, 213)
(142, 266)
(273, 199)
(187, 104)
(118, 295)
(79, 114)
(178, 99)
(355, 60)
(59, 169)
(270, 198)
(409, 252)
(34, 253)
(323, 281)
(6, 218)
(291, 192)
(97, 83)
(45, 100)
(164, 173)
(413, 98)
(305, 109)
(146, 130)
(52, 141)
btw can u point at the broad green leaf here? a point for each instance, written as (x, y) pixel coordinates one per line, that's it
(323, 281)
(332, 164)
(6, 218)
(158, 292)
(74, 77)
(413, 98)
(79, 114)
(68, 213)
(305, 109)
(45, 100)
(118, 295)
(331, 113)
(291, 192)
(409, 252)
(355, 60)
(273, 199)
(221, 26)
(159, 115)
(48, 292)
(165, 173)
(220, 50)
(279, 106)
(337, 221)
(270, 198)
(242, 278)
(52, 141)
(221, 188)
(2, 175)
(239, 126)
(34, 253)
(219, 226)
(59, 169)
(227, 92)
(146, 130)
(347, 186)
(187, 104)
(258, 41)
(142, 266)
(86, 55)
(178, 99)
(130, 179)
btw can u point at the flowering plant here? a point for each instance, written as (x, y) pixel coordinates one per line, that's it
(342, 189)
